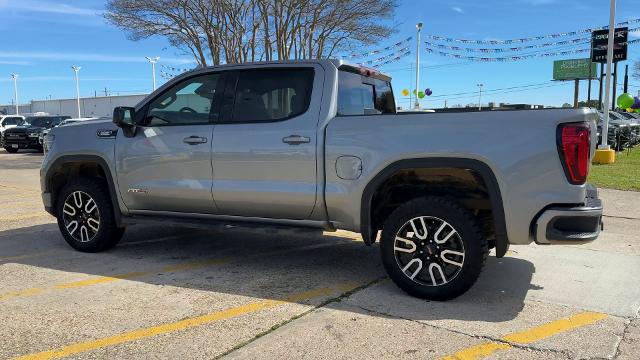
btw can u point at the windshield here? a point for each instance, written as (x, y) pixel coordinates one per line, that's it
(13, 121)
(45, 122)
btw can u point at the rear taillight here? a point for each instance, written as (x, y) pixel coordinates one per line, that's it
(574, 145)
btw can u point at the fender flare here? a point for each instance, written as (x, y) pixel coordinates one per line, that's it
(102, 163)
(485, 172)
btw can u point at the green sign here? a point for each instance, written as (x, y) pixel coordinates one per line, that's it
(574, 69)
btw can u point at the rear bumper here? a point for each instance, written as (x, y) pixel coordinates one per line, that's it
(570, 225)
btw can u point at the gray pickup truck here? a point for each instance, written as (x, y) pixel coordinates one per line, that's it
(319, 144)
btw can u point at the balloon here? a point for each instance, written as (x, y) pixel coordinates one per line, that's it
(405, 92)
(421, 95)
(428, 92)
(630, 110)
(414, 92)
(636, 103)
(625, 100)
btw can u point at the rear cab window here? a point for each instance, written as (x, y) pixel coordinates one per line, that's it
(360, 94)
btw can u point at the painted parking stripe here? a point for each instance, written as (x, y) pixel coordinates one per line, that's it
(50, 252)
(186, 266)
(24, 216)
(188, 323)
(528, 336)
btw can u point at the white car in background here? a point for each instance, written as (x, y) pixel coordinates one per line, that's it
(8, 122)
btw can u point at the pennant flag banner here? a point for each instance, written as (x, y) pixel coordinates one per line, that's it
(174, 69)
(375, 52)
(584, 40)
(505, 59)
(386, 57)
(397, 58)
(534, 38)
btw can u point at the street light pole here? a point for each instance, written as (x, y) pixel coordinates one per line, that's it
(153, 61)
(612, 31)
(418, 28)
(480, 97)
(76, 69)
(15, 91)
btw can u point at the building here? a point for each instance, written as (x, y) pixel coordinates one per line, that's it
(98, 106)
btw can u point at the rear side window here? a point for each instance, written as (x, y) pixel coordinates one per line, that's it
(361, 95)
(272, 95)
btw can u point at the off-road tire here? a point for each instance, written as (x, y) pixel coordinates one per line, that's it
(474, 247)
(108, 234)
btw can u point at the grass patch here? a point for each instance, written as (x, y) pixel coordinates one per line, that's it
(624, 174)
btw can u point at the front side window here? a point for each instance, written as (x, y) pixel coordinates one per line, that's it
(186, 103)
(272, 95)
(361, 95)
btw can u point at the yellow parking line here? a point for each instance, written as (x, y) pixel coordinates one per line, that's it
(554, 327)
(186, 323)
(107, 279)
(478, 351)
(528, 336)
(26, 256)
(17, 217)
(190, 265)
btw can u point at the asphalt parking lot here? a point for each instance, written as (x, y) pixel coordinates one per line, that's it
(167, 292)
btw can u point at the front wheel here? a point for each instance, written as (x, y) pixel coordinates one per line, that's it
(11, 150)
(85, 216)
(433, 248)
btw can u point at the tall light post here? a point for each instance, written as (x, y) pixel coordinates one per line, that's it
(153, 61)
(418, 28)
(15, 90)
(480, 97)
(76, 69)
(612, 30)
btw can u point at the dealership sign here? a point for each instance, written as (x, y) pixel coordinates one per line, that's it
(599, 42)
(574, 69)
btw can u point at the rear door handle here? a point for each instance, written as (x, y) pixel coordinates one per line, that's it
(295, 140)
(195, 140)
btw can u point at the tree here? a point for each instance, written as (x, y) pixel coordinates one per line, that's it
(234, 31)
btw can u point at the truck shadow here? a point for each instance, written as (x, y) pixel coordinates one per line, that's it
(263, 264)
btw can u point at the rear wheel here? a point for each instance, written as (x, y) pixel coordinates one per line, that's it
(11, 150)
(433, 248)
(85, 216)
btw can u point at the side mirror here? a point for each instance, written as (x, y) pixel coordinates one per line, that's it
(124, 117)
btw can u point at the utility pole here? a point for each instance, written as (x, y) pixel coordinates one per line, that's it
(615, 84)
(418, 28)
(15, 91)
(612, 31)
(76, 69)
(626, 79)
(480, 97)
(153, 61)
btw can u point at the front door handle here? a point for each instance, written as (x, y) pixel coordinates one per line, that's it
(295, 140)
(195, 140)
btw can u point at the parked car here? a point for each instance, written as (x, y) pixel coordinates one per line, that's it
(26, 136)
(44, 132)
(319, 144)
(8, 122)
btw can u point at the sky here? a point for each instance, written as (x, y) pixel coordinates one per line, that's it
(43, 39)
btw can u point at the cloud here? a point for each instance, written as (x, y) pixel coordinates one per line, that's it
(82, 57)
(539, 2)
(457, 9)
(47, 7)
(15, 62)
(70, 78)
